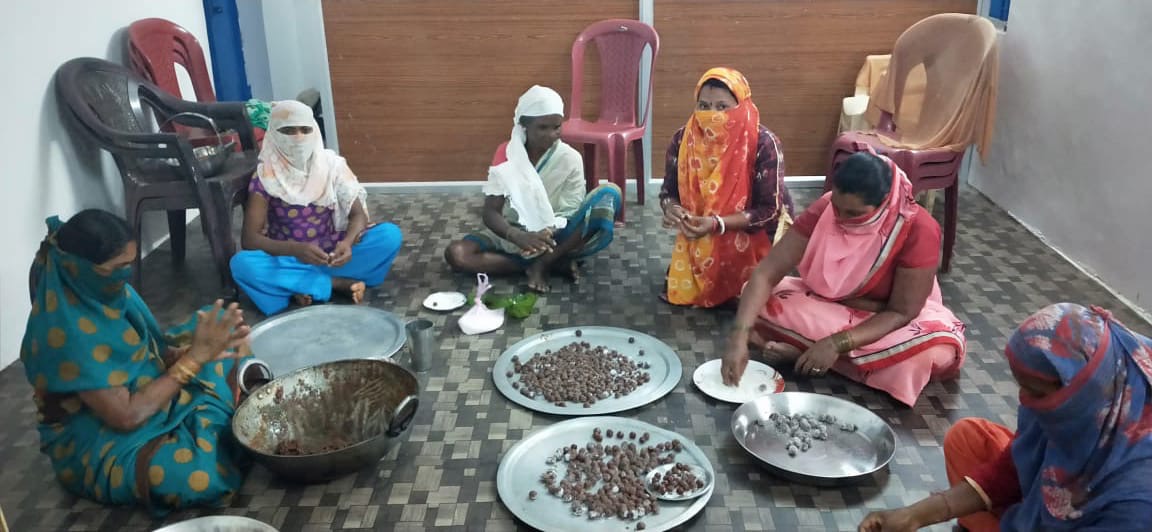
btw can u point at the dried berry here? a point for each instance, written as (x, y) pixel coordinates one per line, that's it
(532, 495)
(579, 333)
(598, 373)
(680, 479)
(604, 481)
(631, 339)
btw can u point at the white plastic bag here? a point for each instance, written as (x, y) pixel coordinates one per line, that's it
(480, 319)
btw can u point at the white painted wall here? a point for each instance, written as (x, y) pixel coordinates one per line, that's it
(285, 53)
(43, 172)
(1070, 157)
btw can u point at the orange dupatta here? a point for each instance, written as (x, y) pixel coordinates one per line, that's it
(716, 157)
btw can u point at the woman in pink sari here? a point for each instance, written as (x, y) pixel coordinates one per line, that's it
(866, 304)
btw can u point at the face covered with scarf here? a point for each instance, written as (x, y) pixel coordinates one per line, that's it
(293, 133)
(295, 166)
(714, 176)
(1084, 436)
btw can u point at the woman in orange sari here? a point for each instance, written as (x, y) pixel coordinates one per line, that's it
(723, 193)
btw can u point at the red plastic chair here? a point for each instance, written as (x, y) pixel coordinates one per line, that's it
(621, 44)
(931, 168)
(156, 46)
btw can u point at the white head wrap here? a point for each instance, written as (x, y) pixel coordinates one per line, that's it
(300, 171)
(517, 178)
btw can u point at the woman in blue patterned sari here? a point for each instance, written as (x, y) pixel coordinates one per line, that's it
(128, 414)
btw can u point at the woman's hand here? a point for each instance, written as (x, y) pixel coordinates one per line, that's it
(341, 254)
(674, 216)
(532, 244)
(218, 332)
(735, 359)
(310, 254)
(699, 226)
(818, 358)
(898, 520)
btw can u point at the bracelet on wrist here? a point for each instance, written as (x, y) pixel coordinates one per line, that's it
(184, 370)
(720, 227)
(843, 342)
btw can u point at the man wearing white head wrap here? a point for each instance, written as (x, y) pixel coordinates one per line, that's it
(537, 213)
(306, 229)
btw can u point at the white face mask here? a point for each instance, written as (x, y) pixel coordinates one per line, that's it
(297, 148)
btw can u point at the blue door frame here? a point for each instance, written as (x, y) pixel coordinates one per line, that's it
(998, 9)
(227, 51)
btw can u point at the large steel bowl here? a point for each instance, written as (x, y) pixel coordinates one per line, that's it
(359, 408)
(845, 457)
(218, 523)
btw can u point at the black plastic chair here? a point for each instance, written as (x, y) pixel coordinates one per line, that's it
(109, 105)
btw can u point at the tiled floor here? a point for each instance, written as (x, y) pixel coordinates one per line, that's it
(443, 474)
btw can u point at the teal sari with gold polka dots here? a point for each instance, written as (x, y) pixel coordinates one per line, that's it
(87, 331)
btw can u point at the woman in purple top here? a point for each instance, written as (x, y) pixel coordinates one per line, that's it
(306, 231)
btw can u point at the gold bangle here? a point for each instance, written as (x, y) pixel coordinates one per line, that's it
(842, 341)
(184, 370)
(739, 327)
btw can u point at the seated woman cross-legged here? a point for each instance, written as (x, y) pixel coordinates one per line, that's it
(1081, 456)
(537, 216)
(866, 304)
(306, 231)
(723, 193)
(129, 414)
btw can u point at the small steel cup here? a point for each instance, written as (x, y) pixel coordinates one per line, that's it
(421, 344)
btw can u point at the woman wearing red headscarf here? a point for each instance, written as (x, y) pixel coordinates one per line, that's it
(723, 193)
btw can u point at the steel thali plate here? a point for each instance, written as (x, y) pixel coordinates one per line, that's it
(521, 467)
(326, 333)
(844, 456)
(665, 369)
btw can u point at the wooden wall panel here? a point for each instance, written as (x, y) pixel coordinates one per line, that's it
(425, 90)
(800, 56)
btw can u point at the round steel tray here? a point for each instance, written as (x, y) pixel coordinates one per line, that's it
(326, 333)
(218, 523)
(665, 368)
(521, 467)
(844, 456)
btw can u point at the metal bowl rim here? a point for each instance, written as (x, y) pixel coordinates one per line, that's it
(396, 347)
(382, 435)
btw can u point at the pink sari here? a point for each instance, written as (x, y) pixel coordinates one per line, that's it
(844, 260)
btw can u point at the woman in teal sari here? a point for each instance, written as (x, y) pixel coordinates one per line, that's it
(128, 414)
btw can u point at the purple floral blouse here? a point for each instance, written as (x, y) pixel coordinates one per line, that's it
(298, 223)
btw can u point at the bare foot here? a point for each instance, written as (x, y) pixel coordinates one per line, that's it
(570, 270)
(780, 352)
(351, 288)
(537, 277)
(304, 300)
